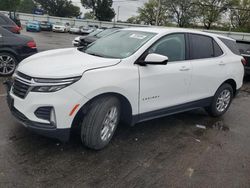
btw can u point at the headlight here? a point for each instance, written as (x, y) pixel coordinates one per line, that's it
(52, 85)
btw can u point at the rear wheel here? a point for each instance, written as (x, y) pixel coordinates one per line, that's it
(221, 101)
(7, 64)
(100, 123)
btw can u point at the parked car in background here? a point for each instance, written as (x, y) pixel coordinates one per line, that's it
(89, 39)
(33, 26)
(61, 27)
(132, 75)
(8, 24)
(244, 48)
(13, 49)
(75, 30)
(76, 41)
(46, 26)
(87, 30)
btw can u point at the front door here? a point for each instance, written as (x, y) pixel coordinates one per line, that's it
(163, 86)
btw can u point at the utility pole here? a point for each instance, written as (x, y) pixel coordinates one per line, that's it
(158, 13)
(118, 13)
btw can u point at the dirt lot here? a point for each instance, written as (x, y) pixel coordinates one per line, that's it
(167, 152)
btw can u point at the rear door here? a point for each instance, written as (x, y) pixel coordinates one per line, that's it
(209, 68)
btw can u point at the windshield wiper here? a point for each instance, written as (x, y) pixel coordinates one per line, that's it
(95, 54)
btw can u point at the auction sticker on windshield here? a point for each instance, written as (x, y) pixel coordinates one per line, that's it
(138, 36)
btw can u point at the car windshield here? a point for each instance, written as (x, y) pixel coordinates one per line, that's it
(34, 22)
(106, 32)
(58, 23)
(120, 44)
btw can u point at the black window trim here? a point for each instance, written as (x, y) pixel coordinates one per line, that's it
(213, 41)
(141, 59)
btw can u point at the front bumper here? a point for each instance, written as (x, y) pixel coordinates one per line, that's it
(23, 110)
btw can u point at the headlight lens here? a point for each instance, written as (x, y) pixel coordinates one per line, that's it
(52, 85)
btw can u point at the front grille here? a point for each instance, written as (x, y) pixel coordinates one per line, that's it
(24, 76)
(43, 113)
(20, 89)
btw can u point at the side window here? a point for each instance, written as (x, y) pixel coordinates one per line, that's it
(2, 21)
(173, 46)
(201, 46)
(231, 44)
(217, 50)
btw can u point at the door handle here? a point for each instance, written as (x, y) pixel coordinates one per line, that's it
(184, 69)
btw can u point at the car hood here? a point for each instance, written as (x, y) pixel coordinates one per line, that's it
(90, 39)
(62, 63)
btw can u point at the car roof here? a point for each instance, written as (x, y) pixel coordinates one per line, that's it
(7, 20)
(166, 30)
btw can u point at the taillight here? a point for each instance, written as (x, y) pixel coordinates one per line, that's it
(31, 44)
(244, 61)
(16, 29)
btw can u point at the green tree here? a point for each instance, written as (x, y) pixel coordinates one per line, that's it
(211, 10)
(149, 11)
(102, 9)
(240, 15)
(134, 20)
(181, 11)
(9, 5)
(89, 15)
(26, 6)
(61, 8)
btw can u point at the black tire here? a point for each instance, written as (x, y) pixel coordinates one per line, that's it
(213, 109)
(11, 66)
(93, 122)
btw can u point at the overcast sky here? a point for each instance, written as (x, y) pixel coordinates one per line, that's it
(127, 8)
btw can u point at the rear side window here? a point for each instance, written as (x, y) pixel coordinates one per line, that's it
(2, 21)
(231, 44)
(244, 47)
(203, 47)
(217, 50)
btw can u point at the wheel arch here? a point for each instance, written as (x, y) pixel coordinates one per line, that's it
(233, 83)
(126, 109)
(10, 51)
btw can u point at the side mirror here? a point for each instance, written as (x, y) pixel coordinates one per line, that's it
(156, 59)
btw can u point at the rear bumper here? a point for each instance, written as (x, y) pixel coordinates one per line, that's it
(23, 56)
(247, 70)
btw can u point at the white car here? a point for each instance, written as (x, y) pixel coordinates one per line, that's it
(87, 30)
(60, 27)
(132, 75)
(75, 30)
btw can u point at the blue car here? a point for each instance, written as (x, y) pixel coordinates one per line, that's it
(33, 26)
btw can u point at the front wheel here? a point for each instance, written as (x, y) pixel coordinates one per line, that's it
(100, 123)
(7, 64)
(221, 101)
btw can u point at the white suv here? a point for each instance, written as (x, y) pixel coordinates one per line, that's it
(132, 75)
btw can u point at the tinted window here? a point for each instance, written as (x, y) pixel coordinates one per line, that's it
(231, 44)
(244, 47)
(2, 21)
(217, 50)
(172, 46)
(201, 46)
